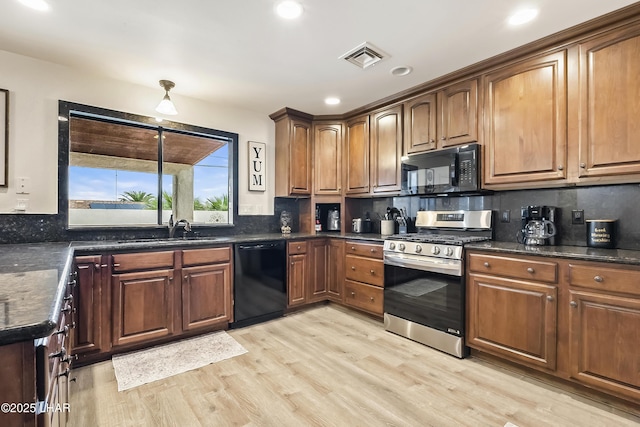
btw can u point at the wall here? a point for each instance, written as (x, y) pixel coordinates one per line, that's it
(36, 86)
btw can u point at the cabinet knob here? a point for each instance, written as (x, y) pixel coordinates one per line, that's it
(583, 165)
(353, 294)
(599, 279)
(186, 277)
(549, 298)
(530, 270)
(486, 264)
(116, 265)
(372, 272)
(560, 167)
(353, 268)
(443, 138)
(432, 141)
(291, 262)
(373, 250)
(298, 247)
(372, 299)
(353, 248)
(97, 266)
(573, 304)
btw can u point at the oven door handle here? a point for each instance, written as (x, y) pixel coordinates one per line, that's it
(436, 265)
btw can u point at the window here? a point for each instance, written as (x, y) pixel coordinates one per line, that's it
(127, 170)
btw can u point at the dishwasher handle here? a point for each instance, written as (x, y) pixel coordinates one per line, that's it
(261, 246)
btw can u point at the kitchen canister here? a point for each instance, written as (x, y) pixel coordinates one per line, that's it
(601, 233)
(387, 227)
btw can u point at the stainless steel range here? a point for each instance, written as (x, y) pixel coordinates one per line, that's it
(424, 294)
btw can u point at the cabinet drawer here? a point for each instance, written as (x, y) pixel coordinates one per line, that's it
(206, 256)
(607, 278)
(370, 250)
(521, 268)
(365, 270)
(297, 248)
(142, 261)
(366, 297)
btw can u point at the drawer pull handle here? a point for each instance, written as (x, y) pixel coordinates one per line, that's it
(373, 250)
(298, 247)
(116, 265)
(353, 268)
(549, 298)
(372, 299)
(486, 264)
(573, 304)
(599, 279)
(372, 272)
(353, 248)
(353, 294)
(530, 270)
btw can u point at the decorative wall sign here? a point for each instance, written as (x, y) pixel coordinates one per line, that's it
(4, 136)
(257, 166)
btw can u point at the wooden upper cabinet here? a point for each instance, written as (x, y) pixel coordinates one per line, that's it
(327, 144)
(420, 124)
(525, 121)
(293, 153)
(357, 155)
(442, 119)
(458, 106)
(610, 104)
(386, 150)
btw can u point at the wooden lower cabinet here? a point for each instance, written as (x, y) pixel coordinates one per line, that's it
(364, 277)
(318, 262)
(206, 296)
(513, 318)
(584, 328)
(87, 294)
(142, 306)
(335, 270)
(297, 273)
(366, 297)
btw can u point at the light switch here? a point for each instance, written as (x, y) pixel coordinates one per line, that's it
(21, 206)
(24, 185)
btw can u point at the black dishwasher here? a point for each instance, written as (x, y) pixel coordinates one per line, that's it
(260, 282)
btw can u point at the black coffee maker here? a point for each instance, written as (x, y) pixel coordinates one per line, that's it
(538, 225)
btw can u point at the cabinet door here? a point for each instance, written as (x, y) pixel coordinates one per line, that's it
(459, 111)
(605, 342)
(335, 269)
(87, 299)
(142, 306)
(420, 124)
(297, 279)
(327, 143)
(511, 318)
(206, 296)
(610, 104)
(526, 121)
(319, 261)
(300, 158)
(357, 155)
(386, 150)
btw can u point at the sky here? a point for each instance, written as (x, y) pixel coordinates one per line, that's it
(211, 179)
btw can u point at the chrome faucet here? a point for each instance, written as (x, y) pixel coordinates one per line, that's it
(172, 226)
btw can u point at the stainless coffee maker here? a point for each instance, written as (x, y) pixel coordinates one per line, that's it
(538, 226)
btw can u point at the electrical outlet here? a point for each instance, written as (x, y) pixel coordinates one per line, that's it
(505, 216)
(577, 216)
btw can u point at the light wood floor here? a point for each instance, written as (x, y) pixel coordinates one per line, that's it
(330, 367)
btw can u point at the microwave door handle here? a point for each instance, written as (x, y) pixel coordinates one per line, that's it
(453, 170)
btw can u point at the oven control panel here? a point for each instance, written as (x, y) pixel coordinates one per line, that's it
(423, 249)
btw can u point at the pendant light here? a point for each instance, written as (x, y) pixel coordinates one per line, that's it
(166, 106)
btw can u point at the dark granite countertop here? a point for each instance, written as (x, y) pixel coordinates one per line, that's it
(33, 278)
(620, 256)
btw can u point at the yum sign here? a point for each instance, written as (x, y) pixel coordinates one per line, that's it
(257, 166)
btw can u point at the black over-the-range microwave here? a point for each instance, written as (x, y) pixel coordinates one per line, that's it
(448, 171)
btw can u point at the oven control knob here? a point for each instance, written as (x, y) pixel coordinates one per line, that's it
(401, 246)
(435, 250)
(448, 252)
(392, 246)
(418, 249)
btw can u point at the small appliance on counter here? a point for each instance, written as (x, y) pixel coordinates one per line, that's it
(360, 225)
(538, 226)
(333, 220)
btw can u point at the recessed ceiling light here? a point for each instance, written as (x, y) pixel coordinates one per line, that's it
(40, 5)
(523, 16)
(332, 100)
(289, 9)
(401, 71)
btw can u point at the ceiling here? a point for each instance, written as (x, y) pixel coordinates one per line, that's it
(239, 53)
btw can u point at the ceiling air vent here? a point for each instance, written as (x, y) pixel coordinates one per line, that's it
(364, 55)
